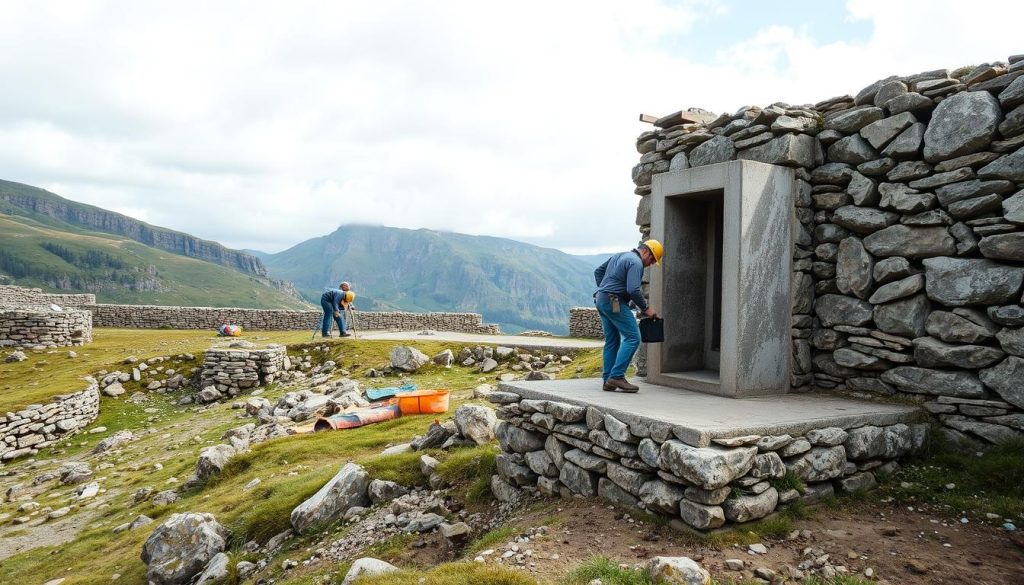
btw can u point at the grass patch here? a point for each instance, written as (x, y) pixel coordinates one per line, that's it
(453, 574)
(608, 571)
(790, 481)
(401, 468)
(391, 550)
(471, 470)
(989, 482)
(490, 539)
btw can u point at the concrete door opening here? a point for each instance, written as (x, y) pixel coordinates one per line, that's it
(724, 286)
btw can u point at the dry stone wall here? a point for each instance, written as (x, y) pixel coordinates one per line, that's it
(40, 425)
(564, 449)
(585, 322)
(42, 327)
(909, 259)
(231, 370)
(16, 296)
(154, 317)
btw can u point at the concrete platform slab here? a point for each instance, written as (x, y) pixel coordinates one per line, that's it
(523, 341)
(697, 418)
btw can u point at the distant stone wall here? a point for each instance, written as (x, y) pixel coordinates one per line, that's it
(231, 370)
(41, 327)
(564, 449)
(585, 322)
(154, 317)
(40, 425)
(16, 296)
(909, 258)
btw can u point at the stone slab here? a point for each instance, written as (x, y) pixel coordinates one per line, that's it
(697, 418)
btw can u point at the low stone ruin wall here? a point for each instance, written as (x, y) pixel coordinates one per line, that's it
(909, 218)
(155, 317)
(41, 327)
(17, 296)
(585, 322)
(564, 449)
(231, 370)
(41, 425)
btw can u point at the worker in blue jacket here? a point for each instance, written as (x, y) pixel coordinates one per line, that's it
(332, 302)
(618, 283)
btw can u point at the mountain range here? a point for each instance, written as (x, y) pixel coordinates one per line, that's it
(516, 285)
(62, 245)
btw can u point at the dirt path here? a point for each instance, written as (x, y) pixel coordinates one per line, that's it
(899, 546)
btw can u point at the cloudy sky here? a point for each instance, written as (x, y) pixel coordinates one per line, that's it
(262, 124)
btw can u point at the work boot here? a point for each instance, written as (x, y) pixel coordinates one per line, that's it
(620, 385)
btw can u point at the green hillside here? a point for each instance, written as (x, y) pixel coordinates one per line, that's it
(516, 285)
(57, 256)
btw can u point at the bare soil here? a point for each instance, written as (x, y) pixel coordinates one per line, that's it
(900, 546)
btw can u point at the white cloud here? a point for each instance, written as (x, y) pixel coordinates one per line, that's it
(264, 125)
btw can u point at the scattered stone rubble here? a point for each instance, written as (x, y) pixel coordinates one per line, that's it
(909, 255)
(563, 449)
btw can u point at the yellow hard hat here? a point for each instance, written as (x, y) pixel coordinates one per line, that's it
(657, 249)
(350, 296)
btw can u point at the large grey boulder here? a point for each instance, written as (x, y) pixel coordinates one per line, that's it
(751, 507)
(578, 480)
(852, 150)
(938, 382)
(911, 242)
(408, 359)
(930, 352)
(212, 460)
(853, 268)
(904, 317)
(819, 464)
(476, 423)
(661, 496)
(834, 309)
(906, 145)
(955, 328)
(181, 547)
(513, 438)
(1003, 246)
(116, 440)
(718, 149)
(701, 516)
(864, 220)
(793, 150)
(1009, 167)
(367, 567)
(708, 467)
(867, 442)
(215, 571)
(958, 282)
(879, 133)
(963, 123)
(677, 571)
(74, 472)
(346, 489)
(1005, 378)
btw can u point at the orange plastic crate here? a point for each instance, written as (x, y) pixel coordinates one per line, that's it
(423, 401)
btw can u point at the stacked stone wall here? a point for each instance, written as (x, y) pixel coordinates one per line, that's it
(909, 255)
(16, 296)
(231, 370)
(564, 449)
(41, 425)
(42, 327)
(585, 322)
(154, 317)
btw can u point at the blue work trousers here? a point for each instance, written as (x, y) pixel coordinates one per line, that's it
(325, 326)
(621, 338)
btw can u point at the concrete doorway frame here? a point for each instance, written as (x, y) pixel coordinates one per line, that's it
(756, 274)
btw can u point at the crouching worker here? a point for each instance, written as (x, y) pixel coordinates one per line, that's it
(331, 302)
(618, 283)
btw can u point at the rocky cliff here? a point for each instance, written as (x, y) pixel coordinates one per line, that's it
(42, 205)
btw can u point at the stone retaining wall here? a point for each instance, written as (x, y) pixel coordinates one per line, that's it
(154, 317)
(585, 322)
(231, 370)
(40, 425)
(16, 296)
(909, 259)
(564, 449)
(42, 327)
